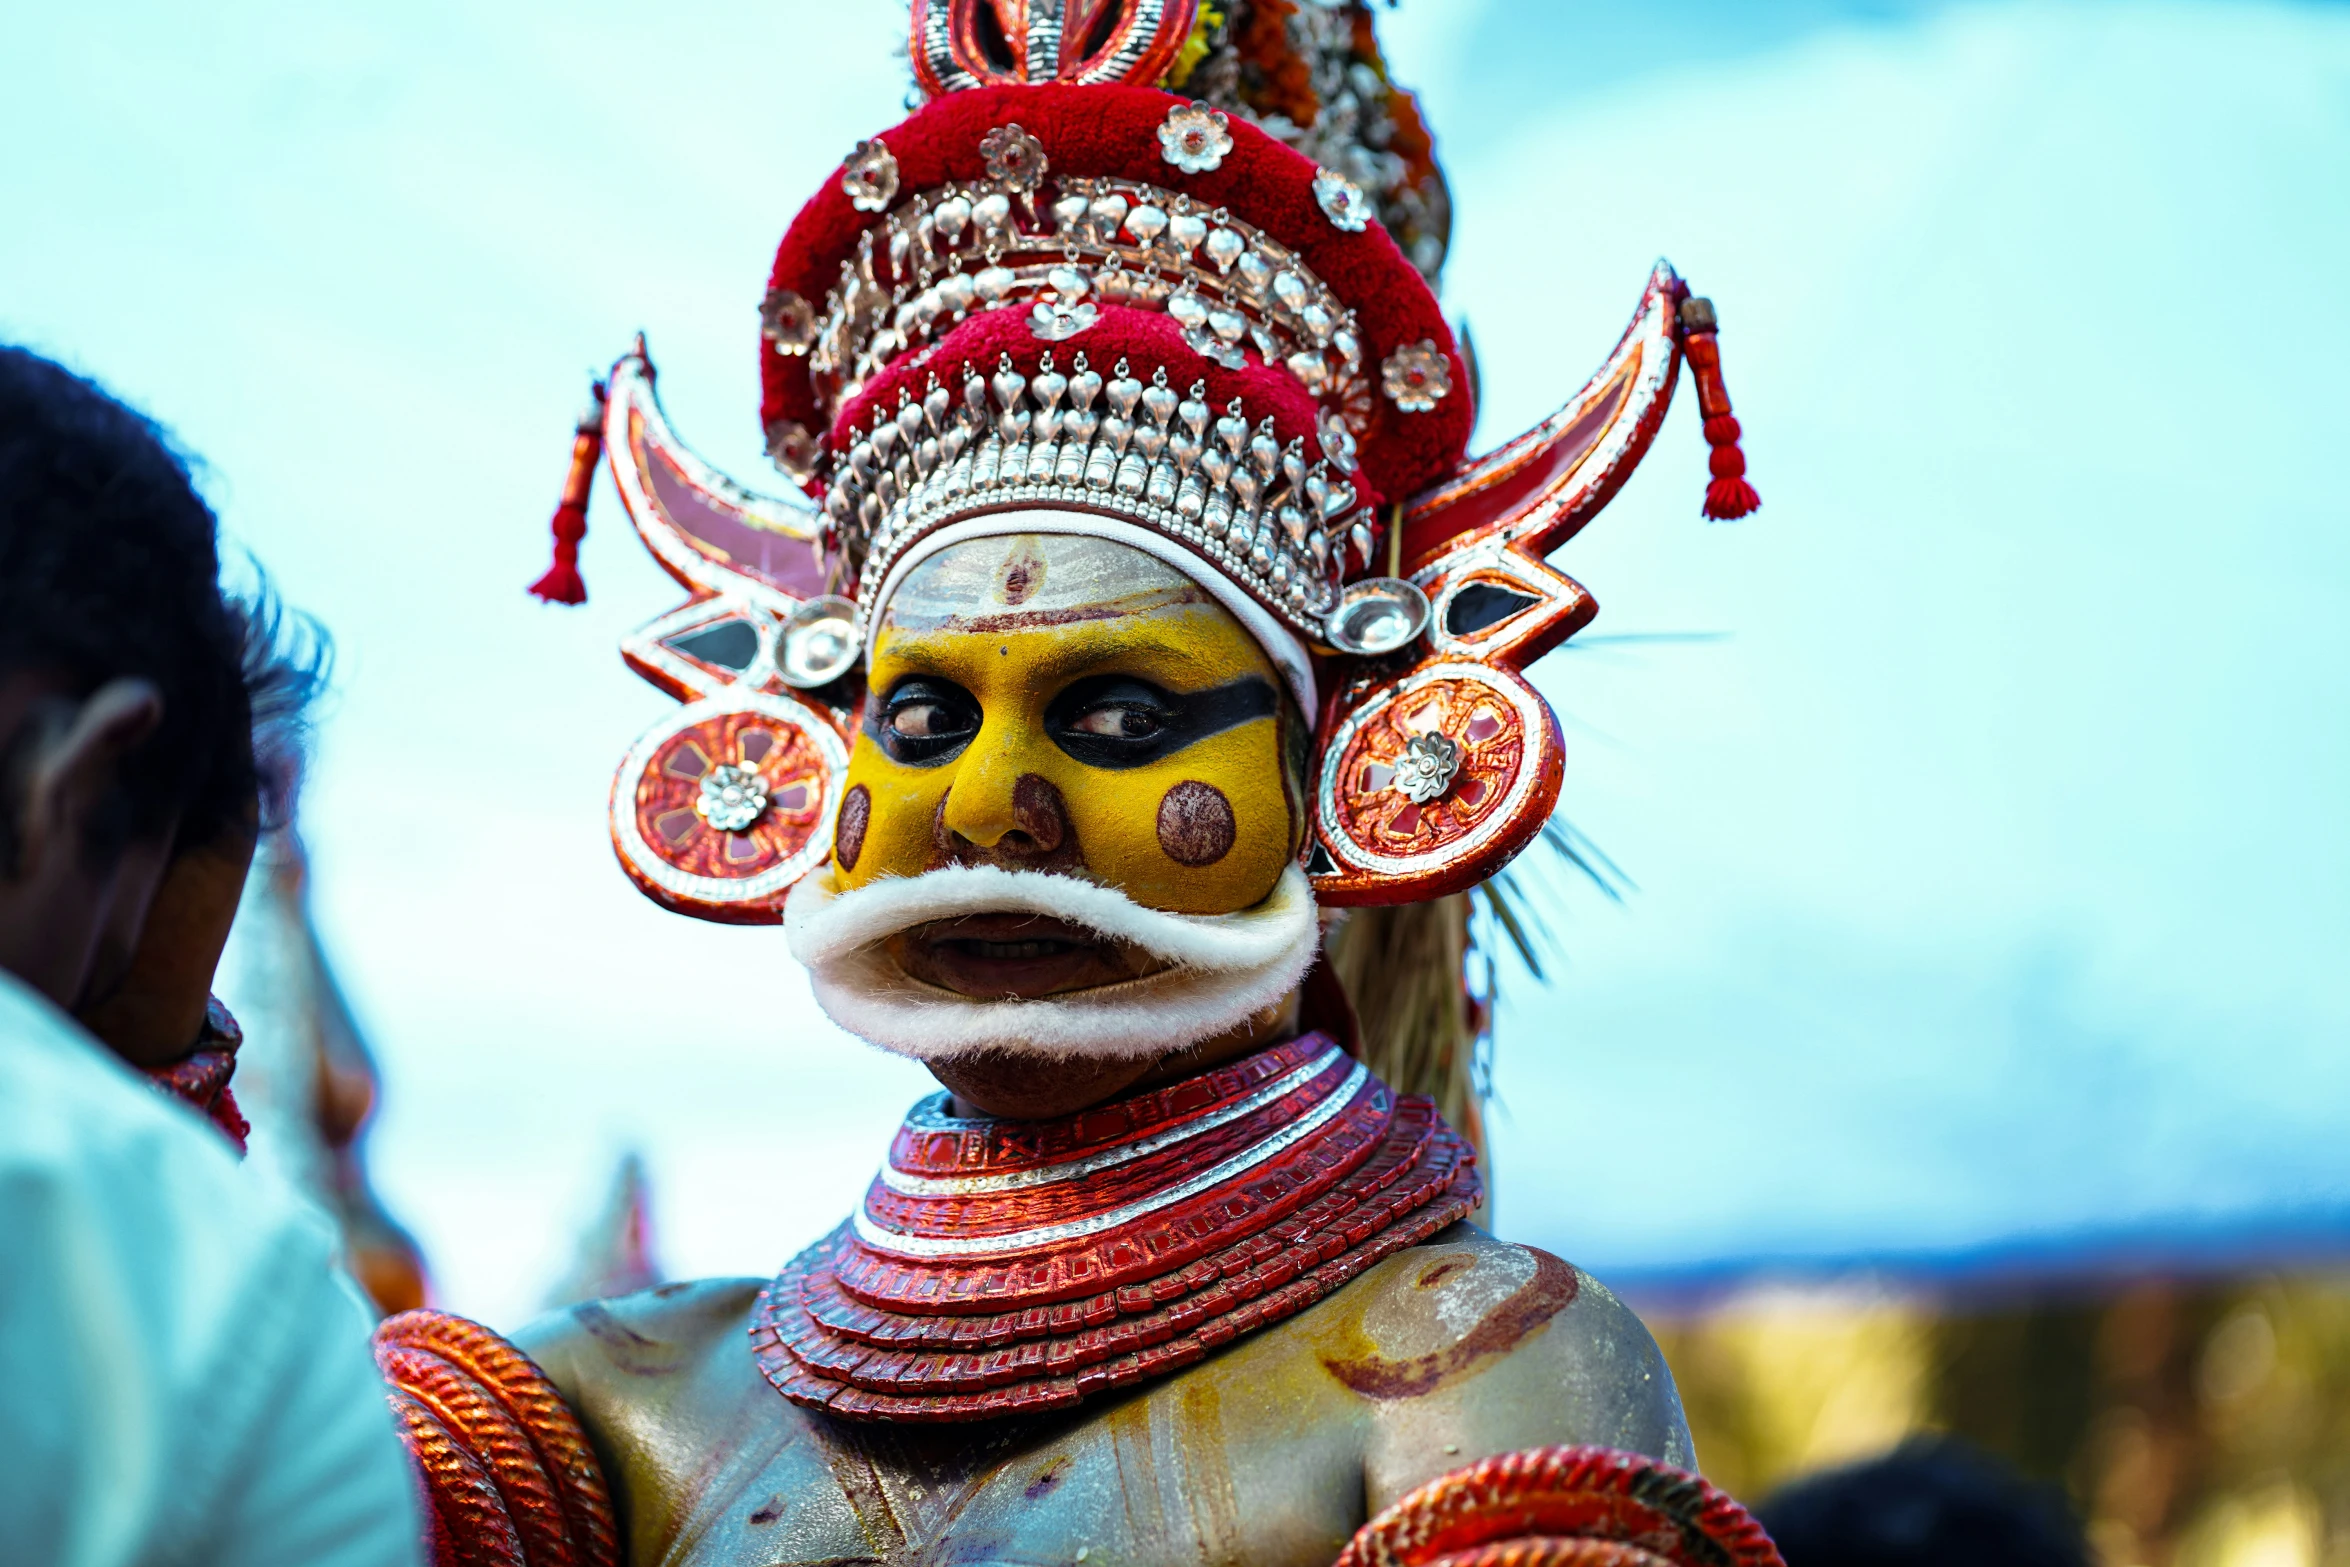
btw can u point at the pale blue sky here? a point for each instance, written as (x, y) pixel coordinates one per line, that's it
(1993, 867)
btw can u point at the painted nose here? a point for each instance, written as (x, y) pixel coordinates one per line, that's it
(1027, 822)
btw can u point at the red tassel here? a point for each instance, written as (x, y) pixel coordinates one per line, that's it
(1729, 497)
(562, 584)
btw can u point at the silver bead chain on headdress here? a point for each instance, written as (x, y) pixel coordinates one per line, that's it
(1275, 519)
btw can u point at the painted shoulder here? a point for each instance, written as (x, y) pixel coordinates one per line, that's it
(655, 1378)
(651, 1335)
(1471, 1346)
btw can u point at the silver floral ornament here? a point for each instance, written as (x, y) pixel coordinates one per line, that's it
(1195, 138)
(870, 177)
(792, 449)
(1337, 441)
(1423, 769)
(787, 321)
(1058, 321)
(732, 798)
(1014, 159)
(1067, 312)
(1416, 377)
(1342, 201)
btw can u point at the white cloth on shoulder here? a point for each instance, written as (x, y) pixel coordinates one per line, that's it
(186, 1364)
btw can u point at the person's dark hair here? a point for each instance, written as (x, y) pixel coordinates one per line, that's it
(110, 568)
(286, 661)
(1931, 1501)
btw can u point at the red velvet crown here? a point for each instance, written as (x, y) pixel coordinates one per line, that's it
(1113, 133)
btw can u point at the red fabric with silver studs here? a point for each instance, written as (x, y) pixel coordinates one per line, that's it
(1112, 132)
(1001, 1267)
(1147, 339)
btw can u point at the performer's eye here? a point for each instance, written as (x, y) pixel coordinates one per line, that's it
(921, 720)
(1121, 721)
(924, 720)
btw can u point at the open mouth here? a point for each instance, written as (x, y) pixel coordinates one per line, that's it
(923, 964)
(1016, 956)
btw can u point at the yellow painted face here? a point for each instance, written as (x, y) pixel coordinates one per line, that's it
(1053, 702)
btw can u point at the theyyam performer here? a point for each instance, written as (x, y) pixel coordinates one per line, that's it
(1142, 619)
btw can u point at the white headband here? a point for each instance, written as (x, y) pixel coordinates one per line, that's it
(1280, 644)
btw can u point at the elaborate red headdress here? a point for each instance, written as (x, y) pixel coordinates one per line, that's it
(1058, 285)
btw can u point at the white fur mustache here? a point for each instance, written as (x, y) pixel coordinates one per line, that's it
(1223, 968)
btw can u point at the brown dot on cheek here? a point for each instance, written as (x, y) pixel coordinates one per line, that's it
(1038, 808)
(1195, 824)
(848, 840)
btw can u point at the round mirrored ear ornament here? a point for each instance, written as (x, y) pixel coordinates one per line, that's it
(819, 643)
(1375, 616)
(720, 808)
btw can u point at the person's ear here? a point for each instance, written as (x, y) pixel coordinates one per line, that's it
(76, 763)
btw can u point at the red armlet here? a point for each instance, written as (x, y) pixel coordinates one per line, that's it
(506, 1469)
(1563, 1507)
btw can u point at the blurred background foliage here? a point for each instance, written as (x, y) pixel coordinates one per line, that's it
(2193, 1421)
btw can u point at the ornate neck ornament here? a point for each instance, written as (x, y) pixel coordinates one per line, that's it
(1008, 1267)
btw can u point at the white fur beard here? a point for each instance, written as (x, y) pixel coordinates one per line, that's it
(1223, 968)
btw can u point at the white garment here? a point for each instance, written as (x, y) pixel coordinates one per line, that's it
(184, 1371)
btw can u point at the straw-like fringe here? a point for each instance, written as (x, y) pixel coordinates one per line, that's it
(1405, 968)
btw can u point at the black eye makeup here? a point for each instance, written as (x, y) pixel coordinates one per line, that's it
(924, 720)
(1120, 721)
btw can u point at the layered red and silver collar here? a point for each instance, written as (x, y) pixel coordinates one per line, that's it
(1004, 1267)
